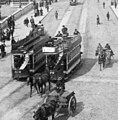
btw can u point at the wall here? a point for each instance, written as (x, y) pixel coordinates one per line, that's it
(17, 14)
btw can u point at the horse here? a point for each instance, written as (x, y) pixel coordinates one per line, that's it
(46, 109)
(101, 56)
(31, 81)
(108, 56)
(41, 79)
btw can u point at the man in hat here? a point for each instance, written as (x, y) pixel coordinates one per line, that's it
(59, 34)
(60, 85)
(76, 32)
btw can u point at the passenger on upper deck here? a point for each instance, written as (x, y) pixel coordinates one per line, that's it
(64, 29)
(76, 32)
(59, 34)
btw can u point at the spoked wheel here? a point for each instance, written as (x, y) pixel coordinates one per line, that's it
(72, 105)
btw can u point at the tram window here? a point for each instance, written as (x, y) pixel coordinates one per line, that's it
(18, 60)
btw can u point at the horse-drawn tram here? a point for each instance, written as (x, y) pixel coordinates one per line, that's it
(27, 54)
(63, 54)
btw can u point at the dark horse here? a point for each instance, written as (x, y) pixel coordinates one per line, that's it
(46, 109)
(41, 79)
(101, 56)
(31, 81)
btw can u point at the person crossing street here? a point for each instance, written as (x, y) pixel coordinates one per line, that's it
(98, 20)
(104, 5)
(56, 15)
(108, 16)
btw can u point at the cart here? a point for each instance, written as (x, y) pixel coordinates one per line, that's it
(65, 100)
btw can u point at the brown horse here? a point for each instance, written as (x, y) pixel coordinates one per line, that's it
(101, 56)
(41, 79)
(32, 83)
(46, 109)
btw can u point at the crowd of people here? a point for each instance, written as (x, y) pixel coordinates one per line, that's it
(6, 34)
(64, 32)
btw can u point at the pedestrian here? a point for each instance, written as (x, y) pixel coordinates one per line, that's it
(59, 34)
(47, 8)
(26, 21)
(98, 20)
(56, 15)
(3, 52)
(41, 12)
(8, 34)
(104, 5)
(32, 21)
(76, 32)
(108, 16)
(12, 22)
(12, 32)
(9, 23)
(98, 1)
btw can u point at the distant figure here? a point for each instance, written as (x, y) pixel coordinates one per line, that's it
(59, 34)
(3, 52)
(56, 15)
(26, 21)
(115, 4)
(32, 22)
(107, 46)
(47, 8)
(12, 32)
(98, 20)
(64, 29)
(76, 32)
(41, 12)
(8, 34)
(104, 5)
(39, 25)
(98, 1)
(108, 16)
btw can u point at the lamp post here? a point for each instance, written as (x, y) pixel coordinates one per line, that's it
(19, 3)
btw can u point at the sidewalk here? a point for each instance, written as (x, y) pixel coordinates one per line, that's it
(21, 31)
(115, 10)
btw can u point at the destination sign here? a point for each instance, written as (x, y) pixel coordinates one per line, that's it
(48, 49)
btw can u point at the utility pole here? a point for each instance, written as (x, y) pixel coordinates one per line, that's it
(19, 3)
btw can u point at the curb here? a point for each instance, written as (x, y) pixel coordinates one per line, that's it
(113, 11)
(47, 13)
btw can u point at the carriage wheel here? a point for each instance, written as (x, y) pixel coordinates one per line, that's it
(72, 105)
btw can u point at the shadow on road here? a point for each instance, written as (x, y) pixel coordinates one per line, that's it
(63, 113)
(110, 65)
(86, 66)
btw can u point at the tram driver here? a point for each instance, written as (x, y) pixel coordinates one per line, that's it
(60, 85)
